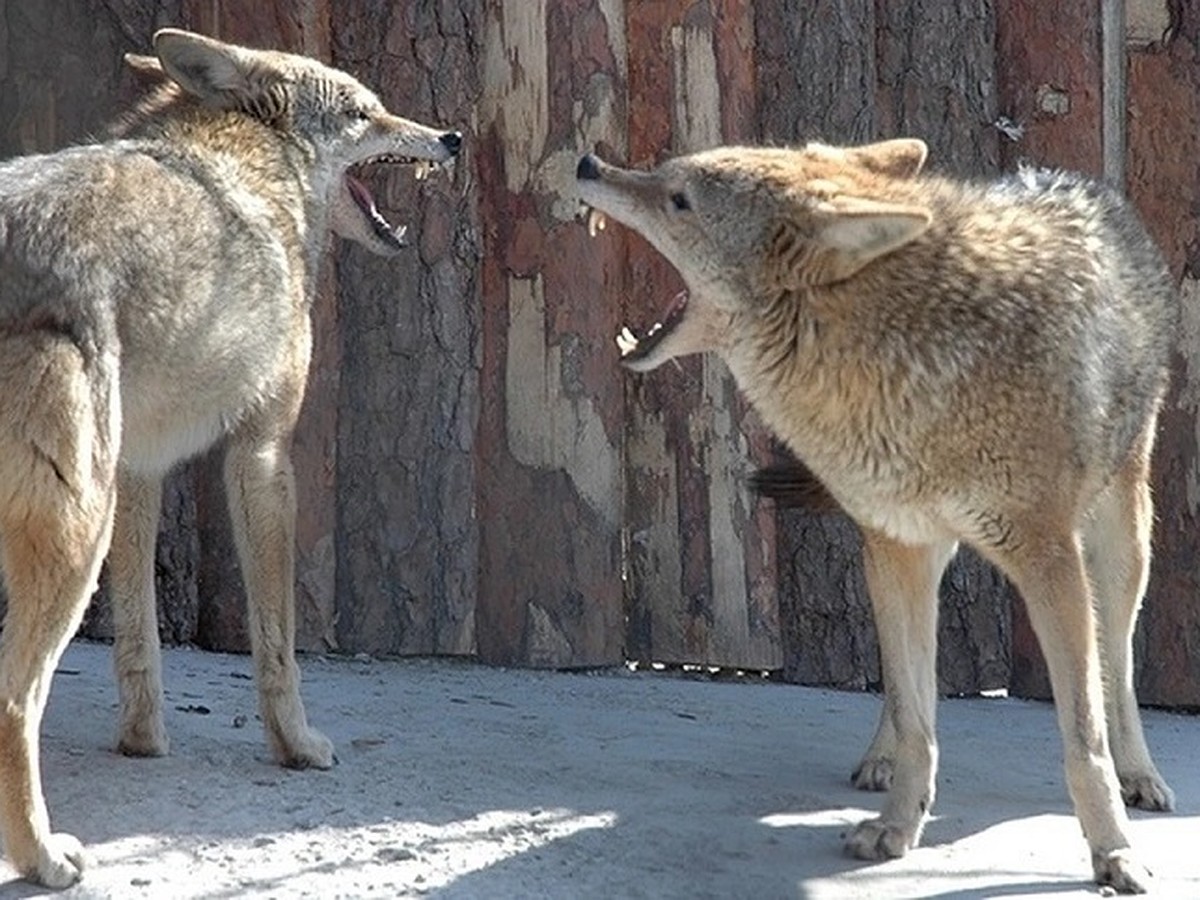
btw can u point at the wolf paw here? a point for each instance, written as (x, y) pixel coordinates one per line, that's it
(874, 773)
(878, 840)
(144, 738)
(310, 750)
(1122, 872)
(60, 863)
(1147, 790)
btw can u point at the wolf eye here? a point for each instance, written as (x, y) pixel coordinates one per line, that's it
(357, 112)
(680, 202)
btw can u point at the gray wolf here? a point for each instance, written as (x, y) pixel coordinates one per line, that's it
(953, 362)
(154, 298)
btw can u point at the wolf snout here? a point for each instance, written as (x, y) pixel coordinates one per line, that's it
(588, 168)
(452, 141)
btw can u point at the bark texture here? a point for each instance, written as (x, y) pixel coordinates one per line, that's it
(405, 539)
(1163, 179)
(926, 69)
(475, 473)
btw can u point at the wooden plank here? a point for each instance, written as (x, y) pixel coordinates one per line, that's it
(1050, 80)
(548, 448)
(668, 560)
(923, 69)
(406, 537)
(936, 69)
(816, 72)
(701, 555)
(1163, 180)
(825, 614)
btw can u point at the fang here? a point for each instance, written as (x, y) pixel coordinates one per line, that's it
(595, 222)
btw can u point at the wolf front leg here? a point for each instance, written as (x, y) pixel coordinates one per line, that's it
(261, 489)
(58, 451)
(903, 580)
(137, 655)
(874, 770)
(1049, 572)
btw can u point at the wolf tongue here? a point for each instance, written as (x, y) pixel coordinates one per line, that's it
(366, 202)
(362, 195)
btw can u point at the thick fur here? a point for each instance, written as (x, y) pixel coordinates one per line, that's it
(953, 362)
(154, 298)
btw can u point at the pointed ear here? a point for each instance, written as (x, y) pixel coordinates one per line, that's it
(853, 231)
(147, 68)
(206, 68)
(899, 158)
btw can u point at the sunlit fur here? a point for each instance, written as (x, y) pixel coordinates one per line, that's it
(952, 361)
(155, 291)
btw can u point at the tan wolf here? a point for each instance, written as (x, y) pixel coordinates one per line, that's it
(154, 298)
(954, 362)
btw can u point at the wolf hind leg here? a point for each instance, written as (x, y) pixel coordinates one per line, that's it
(1048, 569)
(58, 450)
(137, 655)
(1117, 550)
(261, 488)
(903, 581)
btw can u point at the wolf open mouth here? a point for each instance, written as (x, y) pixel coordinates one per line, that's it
(632, 346)
(391, 235)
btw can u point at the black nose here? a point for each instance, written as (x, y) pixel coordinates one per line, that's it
(588, 169)
(452, 141)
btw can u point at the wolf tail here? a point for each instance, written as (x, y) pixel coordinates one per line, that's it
(792, 484)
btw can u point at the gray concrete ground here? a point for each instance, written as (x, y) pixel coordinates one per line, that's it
(459, 781)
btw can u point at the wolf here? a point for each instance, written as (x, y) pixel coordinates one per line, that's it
(155, 290)
(953, 362)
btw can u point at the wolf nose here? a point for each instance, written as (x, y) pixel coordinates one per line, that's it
(452, 141)
(588, 169)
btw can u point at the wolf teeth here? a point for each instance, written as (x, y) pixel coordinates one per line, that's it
(626, 341)
(390, 158)
(596, 221)
(422, 168)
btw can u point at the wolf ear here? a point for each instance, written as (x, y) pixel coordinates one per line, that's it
(899, 158)
(147, 69)
(852, 231)
(208, 69)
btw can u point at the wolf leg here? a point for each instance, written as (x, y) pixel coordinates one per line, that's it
(1049, 572)
(874, 770)
(262, 503)
(1117, 547)
(58, 450)
(136, 652)
(902, 581)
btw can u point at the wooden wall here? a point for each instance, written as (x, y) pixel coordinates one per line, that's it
(477, 475)
(1053, 82)
(1162, 175)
